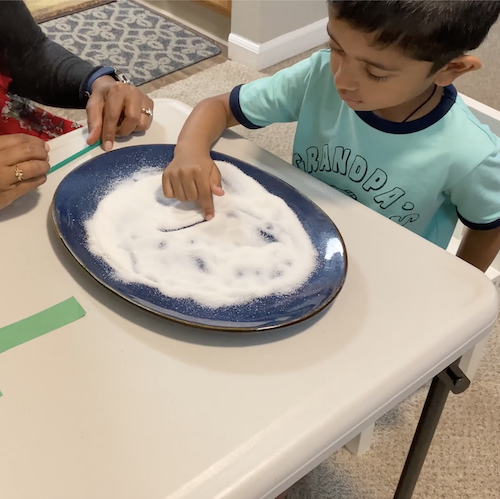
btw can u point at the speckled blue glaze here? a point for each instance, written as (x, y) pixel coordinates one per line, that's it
(78, 195)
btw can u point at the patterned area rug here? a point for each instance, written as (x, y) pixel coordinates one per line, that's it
(45, 10)
(138, 42)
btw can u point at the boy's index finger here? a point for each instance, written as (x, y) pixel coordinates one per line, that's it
(206, 200)
(207, 189)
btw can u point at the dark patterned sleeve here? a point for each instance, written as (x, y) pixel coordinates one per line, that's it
(40, 69)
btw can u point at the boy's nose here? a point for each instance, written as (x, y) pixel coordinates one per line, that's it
(344, 79)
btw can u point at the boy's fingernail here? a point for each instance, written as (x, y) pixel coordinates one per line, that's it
(47, 147)
(108, 145)
(209, 217)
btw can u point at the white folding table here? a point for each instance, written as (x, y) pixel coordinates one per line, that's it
(124, 404)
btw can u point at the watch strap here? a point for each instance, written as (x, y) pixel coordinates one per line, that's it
(104, 71)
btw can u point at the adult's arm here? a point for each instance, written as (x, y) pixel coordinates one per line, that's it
(40, 69)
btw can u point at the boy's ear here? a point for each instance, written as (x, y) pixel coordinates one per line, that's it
(457, 67)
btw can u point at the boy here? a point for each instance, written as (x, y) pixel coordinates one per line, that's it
(378, 118)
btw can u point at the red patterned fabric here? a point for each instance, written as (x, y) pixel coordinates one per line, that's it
(19, 115)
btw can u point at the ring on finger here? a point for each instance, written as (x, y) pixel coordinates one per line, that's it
(147, 111)
(19, 173)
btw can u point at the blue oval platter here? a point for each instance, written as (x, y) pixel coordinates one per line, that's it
(78, 195)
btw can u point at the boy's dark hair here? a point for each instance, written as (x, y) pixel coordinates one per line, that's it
(425, 30)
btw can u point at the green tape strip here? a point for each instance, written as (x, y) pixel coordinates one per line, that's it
(75, 156)
(27, 329)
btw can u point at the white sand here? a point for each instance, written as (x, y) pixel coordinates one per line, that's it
(255, 246)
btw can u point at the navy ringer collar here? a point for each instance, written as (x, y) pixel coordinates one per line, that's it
(447, 100)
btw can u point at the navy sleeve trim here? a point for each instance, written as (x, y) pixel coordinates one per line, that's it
(474, 226)
(234, 104)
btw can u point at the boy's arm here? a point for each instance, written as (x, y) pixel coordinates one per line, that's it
(206, 124)
(192, 175)
(480, 247)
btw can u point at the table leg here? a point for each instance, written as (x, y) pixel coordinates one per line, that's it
(452, 378)
(362, 442)
(471, 359)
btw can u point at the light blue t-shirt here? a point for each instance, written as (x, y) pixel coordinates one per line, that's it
(422, 174)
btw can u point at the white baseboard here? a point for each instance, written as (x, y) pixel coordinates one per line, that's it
(262, 55)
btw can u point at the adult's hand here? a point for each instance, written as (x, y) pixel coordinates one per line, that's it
(23, 166)
(115, 108)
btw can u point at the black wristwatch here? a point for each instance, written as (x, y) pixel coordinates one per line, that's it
(104, 71)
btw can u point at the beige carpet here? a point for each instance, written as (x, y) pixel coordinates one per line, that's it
(464, 460)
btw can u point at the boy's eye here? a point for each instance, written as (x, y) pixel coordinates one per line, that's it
(373, 77)
(336, 49)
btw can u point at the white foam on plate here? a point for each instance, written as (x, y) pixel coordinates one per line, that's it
(255, 246)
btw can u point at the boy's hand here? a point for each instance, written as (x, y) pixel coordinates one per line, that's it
(193, 177)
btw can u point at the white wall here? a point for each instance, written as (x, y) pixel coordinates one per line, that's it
(265, 32)
(263, 20)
